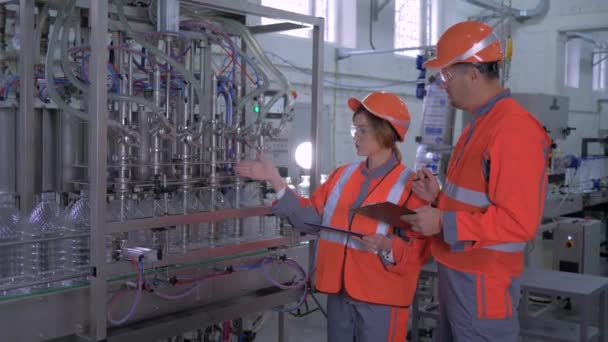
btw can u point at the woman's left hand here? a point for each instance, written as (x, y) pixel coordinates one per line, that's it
(377, 242)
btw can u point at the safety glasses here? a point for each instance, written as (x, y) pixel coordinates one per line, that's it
(360, 130)
(445, 75)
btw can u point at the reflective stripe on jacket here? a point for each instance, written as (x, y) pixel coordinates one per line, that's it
(493, 197)
(343, 264)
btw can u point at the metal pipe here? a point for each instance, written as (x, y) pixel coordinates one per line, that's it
(167, 15)
(170, 118)
(238, 121)
(191, 108)
(73, 151)
(212, 176)
(123, 150)
(2, 35)
(98, 133)
(191, 59)
(157, 148)
(373, 16)
(377, 8)
(202, 104)
(345, 53)
(129, 78)
(7, 149)
(26, 180)
(184, 145)
(316, 99)
(42, 32)
(48, 169)
(520, 14)
(143, 153)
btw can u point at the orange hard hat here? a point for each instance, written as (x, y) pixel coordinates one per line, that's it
(466, 42)
(386, 106)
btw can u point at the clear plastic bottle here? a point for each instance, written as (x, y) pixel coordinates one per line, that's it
(218, 232)
(427, 158)
(78, 222)
(46, 222)
(226, 228)
(304, 186)
(151, 205)
(184, 202)
(249, 196)
(11, 257)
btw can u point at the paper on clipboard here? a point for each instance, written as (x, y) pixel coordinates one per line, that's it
(386, 212)
(332, 229)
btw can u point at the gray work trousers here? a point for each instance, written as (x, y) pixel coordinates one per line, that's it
(459, 296)
(350, 320)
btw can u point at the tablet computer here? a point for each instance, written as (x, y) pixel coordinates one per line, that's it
(386, 212)
(343, 231)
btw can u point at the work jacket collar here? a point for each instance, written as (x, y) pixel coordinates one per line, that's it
(381, 170)
(486, 107)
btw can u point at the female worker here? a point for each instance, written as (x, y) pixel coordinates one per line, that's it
(371, 281)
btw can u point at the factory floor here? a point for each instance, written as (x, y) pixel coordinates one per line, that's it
(312, 327)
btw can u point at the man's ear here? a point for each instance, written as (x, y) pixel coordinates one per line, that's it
(474, 74)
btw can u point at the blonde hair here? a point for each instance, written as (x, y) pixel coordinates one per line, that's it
(383, 131)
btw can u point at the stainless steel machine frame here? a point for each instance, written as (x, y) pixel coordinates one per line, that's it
(79, 312)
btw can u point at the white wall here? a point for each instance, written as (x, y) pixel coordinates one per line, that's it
(538, 62)
(361, 71)
(537, 66)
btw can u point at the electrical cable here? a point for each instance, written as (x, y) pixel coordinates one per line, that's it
(120, 293)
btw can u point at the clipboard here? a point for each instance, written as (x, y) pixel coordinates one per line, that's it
(343, 231)
(386, 212)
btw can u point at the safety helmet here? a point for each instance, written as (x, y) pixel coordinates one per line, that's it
(386, 106)
(466, 42)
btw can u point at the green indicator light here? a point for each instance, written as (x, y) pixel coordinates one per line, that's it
(256, 109)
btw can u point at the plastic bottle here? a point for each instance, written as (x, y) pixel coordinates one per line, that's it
(78, 248)
(46, 258)
(304, 186)
(11, 257)
(150, 205)
(123, 207)
(426, 158)
(182, 202)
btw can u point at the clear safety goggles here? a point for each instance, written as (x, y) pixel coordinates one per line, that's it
(445, 75)
(360, 130)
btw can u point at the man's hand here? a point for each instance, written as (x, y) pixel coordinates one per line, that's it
(426, 185)
(426, 221)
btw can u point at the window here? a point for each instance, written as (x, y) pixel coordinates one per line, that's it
(600, 69)
(413, 25)
(572, 63)
(320, 8)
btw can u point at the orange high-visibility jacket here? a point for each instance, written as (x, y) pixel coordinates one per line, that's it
(493, 197)
(342, 262)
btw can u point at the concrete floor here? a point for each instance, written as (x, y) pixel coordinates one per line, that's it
(313, 326)
(309, 328)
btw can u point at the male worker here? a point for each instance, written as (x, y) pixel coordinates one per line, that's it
(493, 196)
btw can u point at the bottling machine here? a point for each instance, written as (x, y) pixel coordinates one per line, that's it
(121, 218)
